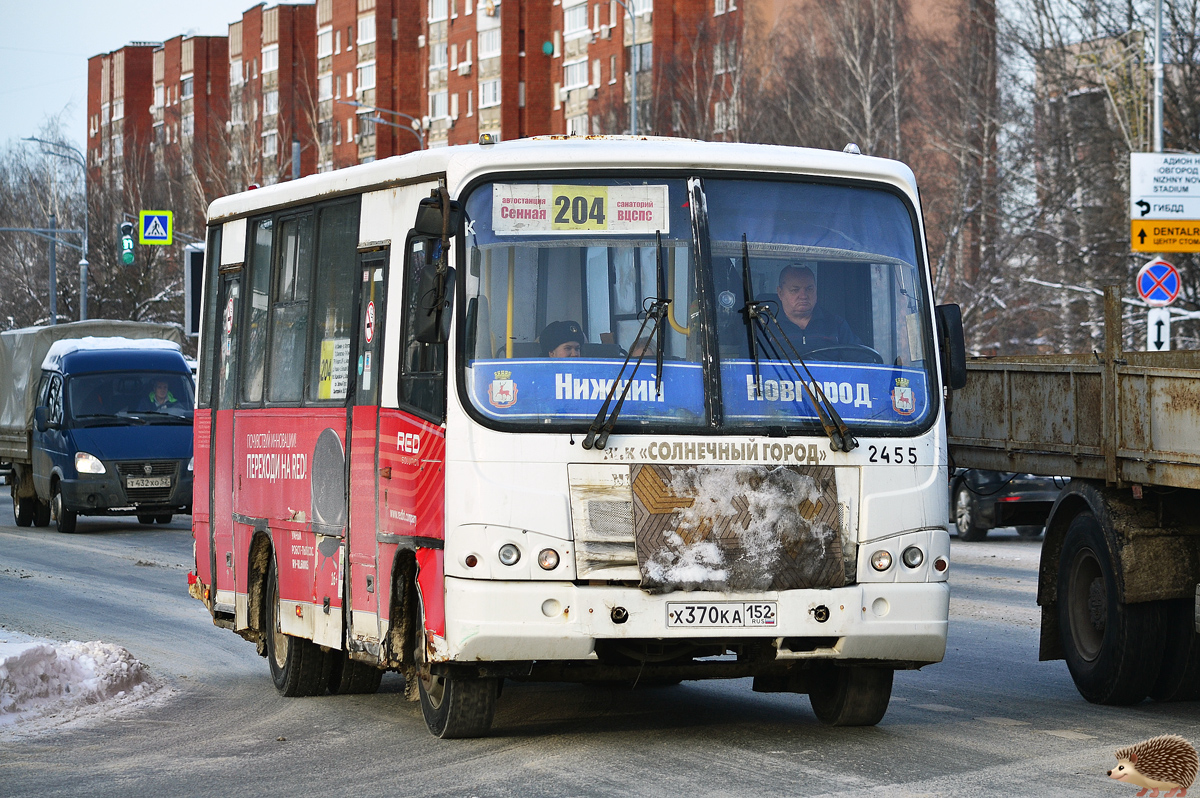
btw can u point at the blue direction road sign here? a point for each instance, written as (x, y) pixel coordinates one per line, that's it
(155, 227)
(1158, 283)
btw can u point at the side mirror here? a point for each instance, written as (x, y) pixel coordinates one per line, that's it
(39, 419)
(429, 217)
(953, 345)
(435, 298)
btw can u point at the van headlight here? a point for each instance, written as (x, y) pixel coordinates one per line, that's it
(88, 463)
(191, 463)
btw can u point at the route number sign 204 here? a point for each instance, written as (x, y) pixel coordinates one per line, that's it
(544, 209)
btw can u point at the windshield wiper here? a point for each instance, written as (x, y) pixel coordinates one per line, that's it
(599, 430)
(106, 417)
(758, 315)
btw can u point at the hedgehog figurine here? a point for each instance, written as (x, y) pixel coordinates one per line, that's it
(1166, 763)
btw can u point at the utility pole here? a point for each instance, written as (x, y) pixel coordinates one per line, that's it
(74, 156)
(633, 67)
(1158, 77)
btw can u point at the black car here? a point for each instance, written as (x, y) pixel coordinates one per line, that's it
(984, 500)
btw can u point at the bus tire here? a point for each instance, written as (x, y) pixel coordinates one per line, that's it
(298, 667)
(1179, 677)
(41, 513)
(23, 510)
(966, 515)
(1113, 650)
(351, 677)
(63, 518)
(854, 696)
(455, 707)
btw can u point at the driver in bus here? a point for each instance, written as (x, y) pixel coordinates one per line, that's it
(562, 339)
(807, 326)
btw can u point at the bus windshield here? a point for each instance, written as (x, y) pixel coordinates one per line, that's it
(560, 275)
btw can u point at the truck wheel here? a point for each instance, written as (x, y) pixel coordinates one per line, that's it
(64, 518)
(855, 696)
(1113, 650)
(351, 677)
(966, 515)
(454, 707)
(23, 510)
(41, 513)
(1179, 677)
(298, 667)
(1029, 532)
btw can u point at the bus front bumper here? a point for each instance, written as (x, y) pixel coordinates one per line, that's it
(490, 621)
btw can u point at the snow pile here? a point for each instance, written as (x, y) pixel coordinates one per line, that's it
(40, 677)
(769, 512)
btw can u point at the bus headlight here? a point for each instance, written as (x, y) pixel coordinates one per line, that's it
(88, 464)
(548, 559)
(509, 554)
(913, 556)
(881, 560)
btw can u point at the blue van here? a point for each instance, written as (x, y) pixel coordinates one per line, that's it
(112, 432)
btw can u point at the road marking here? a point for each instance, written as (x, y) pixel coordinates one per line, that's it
(937, 707)
(1067, 734)
(1003, 721)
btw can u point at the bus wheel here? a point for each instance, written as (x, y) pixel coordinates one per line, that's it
(454, 707)
(966, 515)
(1179, 677)
(23, 510)
(1113, 650)
(350, 677)
(298, 667)
(855, 696)
(64, 518)
(41, 513)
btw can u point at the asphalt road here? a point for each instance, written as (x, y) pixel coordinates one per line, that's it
(989, 719)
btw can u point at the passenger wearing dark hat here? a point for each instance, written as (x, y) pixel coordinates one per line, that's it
(561, 339)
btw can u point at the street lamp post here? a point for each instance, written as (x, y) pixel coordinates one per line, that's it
(633, 67)
(411, 129)
(74, 156)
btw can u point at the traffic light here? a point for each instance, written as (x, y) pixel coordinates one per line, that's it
(127, 243)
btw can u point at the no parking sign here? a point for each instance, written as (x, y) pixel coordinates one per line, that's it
(1158, 283)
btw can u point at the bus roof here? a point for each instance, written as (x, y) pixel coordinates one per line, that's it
(464, 163)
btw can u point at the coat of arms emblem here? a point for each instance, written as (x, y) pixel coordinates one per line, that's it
(904, 401)
(502, 392)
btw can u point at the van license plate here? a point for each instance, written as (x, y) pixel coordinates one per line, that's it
(148, 482)
(723, 614)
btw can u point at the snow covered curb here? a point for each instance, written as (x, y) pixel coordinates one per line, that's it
(62, 681)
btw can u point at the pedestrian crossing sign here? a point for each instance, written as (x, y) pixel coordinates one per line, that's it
(155, 227)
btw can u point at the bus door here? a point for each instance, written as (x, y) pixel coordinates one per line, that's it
(224, 397)
(363, 585)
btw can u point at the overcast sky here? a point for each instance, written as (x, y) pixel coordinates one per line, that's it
(44, 53)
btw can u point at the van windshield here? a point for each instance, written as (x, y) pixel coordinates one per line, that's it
(132, 396)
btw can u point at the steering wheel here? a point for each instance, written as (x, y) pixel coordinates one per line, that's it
(867, 354)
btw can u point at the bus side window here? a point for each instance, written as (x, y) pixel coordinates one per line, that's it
(422, 366)
(333, 302)
(289, 322)
(255, 342)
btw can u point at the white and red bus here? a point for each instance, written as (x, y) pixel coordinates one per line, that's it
(739, 470)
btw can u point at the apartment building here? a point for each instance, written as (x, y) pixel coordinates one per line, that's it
(120, 88)
(367, 92)
(190, 105)
(272, 106)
